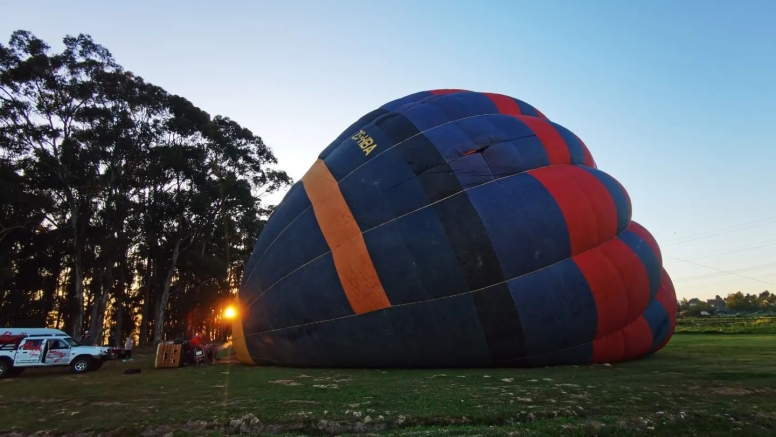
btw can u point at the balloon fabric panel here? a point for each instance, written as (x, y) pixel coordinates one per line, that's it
(454, 228)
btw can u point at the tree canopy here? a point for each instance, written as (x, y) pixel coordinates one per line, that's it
(765, 301)
(125, 208)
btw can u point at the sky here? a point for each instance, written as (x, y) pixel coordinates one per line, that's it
(676, 100)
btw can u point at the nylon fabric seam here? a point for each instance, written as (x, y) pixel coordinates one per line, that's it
(250, 274)
(434, 299)
(652, 350)
(494, 361)
(408, 213)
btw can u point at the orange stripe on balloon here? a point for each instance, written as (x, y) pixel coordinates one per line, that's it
(354, 266)
(239, 342)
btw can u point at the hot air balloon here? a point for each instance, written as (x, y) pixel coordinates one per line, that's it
(452, 228)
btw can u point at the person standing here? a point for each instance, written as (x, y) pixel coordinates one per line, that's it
(128, 348)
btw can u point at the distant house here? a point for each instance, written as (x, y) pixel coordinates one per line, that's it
(718, 304)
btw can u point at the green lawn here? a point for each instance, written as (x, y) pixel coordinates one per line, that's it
(705, 385)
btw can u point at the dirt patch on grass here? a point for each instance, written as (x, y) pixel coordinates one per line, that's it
(740, 391)
(770, 415)
(287, 382)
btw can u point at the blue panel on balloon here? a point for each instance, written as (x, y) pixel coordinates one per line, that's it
(557, 308)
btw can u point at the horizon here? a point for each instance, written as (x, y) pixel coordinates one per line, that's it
(669, 105)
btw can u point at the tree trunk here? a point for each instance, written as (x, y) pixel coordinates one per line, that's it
(68, 306)
(227, 244)
(78, 292)
(162, 306)
(146, 302)
(98, 292)
(120, 303)
(100, 305)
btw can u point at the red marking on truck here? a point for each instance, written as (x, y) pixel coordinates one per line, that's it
(55, 356)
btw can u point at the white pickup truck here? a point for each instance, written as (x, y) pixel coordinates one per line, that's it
(23, 348)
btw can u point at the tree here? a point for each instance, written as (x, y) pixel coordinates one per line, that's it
(751, 302)
(46, 101)
(125, 204)
(695, 306)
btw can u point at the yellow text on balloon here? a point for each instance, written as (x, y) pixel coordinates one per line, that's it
(365, 142)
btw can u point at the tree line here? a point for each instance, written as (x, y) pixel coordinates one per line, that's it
(124, 208)
(739, 302)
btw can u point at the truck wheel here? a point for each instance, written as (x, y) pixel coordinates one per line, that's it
(82, 364)
(5, 369)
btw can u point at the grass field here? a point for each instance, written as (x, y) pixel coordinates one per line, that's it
(705, 385)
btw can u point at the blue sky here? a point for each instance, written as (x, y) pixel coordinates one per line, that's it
(676, 100)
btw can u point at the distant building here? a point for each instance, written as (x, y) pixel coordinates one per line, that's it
(718, 303)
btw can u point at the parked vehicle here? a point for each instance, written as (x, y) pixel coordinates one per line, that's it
(23, 348)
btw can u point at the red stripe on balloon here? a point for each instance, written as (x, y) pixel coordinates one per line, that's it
(638, 339)
(447, 91)
(666, 295)
(606, 287)
(557, 150)
(586, 204)
(505, 104)
(618, 282)
(588, 157)
(631, 342)
(609, 349)
(633, 275)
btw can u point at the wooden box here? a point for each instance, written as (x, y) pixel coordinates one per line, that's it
(168, 355)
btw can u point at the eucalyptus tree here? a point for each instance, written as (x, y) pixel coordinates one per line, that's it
(122, 202)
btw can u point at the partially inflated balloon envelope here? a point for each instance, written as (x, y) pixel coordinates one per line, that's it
(454, 228)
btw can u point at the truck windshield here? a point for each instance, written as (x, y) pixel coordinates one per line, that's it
(70, 341)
